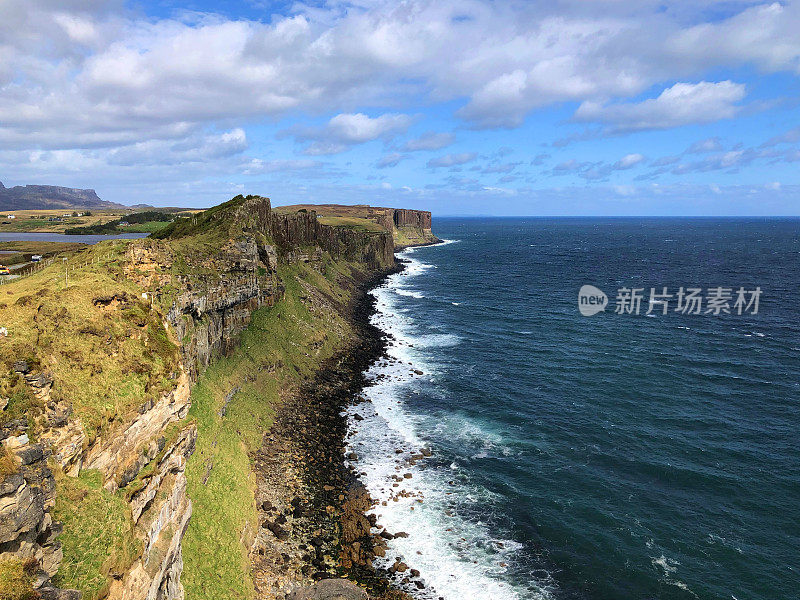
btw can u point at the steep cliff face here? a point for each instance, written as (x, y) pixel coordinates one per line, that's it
(161, 511)
(142, 462)
(412, 218)
(27, 496)
(408, 227)
(220, 290)
(203, 281)
(304, 229)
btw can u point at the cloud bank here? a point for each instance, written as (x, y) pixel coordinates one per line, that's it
(95, 85)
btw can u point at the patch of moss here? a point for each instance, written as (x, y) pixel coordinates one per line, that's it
(16, 580)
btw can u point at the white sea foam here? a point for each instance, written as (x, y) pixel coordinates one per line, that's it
(669, 566)
(458, 556)
(411, 293)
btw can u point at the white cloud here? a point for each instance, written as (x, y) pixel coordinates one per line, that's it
(323, 148)
(429, 141)
(359, 128)
(194, 148)
(452, 160)
(345, 130)
(75, 74)
(665, 161)
(569, 166)
(257, 165)
(790, 137)
(500, 167)
(731, 161)
(597, 171)
(123, 87)
(681, 104)
(628, 161)
(765, 35)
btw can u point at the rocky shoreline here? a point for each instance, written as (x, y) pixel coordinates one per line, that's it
(312, 507)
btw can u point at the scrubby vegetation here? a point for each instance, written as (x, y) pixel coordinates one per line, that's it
(107, 351)
(202, 221)
(8, 464)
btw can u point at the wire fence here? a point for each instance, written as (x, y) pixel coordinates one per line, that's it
(70, 266)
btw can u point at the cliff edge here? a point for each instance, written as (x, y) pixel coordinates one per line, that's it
(408, 227)
(140, 380)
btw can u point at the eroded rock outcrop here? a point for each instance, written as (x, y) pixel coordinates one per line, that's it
(161, 511)
(403, 217)
(220, 291)
(329, 589)
(27, 495)
(124, 454)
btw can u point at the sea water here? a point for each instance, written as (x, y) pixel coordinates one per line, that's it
(616, 456)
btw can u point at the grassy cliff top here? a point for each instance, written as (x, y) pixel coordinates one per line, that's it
(360, 211)
(85, 325)
(216, 219)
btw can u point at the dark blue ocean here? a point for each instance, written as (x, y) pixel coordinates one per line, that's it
(615, 456)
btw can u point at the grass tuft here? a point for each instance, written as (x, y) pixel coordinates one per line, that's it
(98, 540)
(16, 579)
(8, 464)
(105, 360)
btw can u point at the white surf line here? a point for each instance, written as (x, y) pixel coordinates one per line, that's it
(455, 558)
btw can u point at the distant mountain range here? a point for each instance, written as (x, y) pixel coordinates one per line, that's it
(33, 197)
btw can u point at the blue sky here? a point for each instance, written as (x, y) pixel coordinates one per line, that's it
(470, 107)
